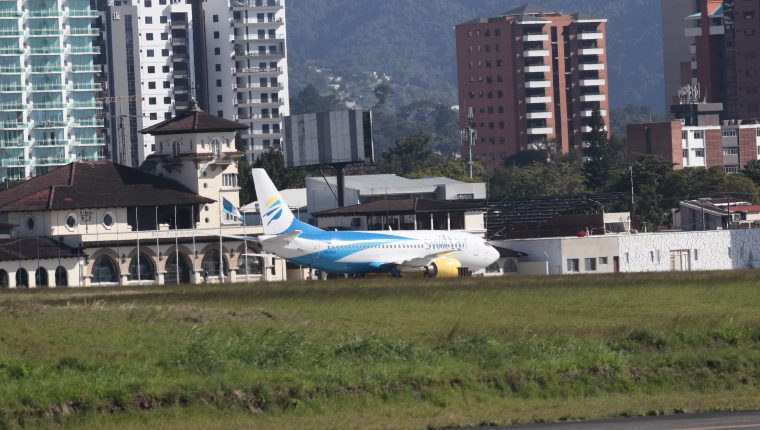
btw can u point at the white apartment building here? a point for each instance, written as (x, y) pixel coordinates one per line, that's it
(246, 60)
(48, 91)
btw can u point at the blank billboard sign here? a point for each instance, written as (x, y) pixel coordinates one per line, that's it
(334, 137)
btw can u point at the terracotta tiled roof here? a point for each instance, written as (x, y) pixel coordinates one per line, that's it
(32, 248)
(193, 120)
(98, 184)
(402, 206)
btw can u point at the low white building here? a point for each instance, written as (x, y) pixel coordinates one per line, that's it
(642, 252)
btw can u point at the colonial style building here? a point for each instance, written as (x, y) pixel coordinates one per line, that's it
(99, 223)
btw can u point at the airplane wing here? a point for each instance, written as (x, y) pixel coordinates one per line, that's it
(422, 261)
(258, 254)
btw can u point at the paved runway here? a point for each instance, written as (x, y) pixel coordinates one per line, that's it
(747, 420)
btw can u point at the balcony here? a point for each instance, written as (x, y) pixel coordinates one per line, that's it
(87, 87)
(260, 5)
(50, 142)
(85, 105)
(50, 161)
(716, 30)
(261, 135)
(536, 53)
(537, 84)
(83, 14)
(14, 162)
(10, 143)
(537, 69)
(593, 98)
(591, 51)
(48, 87)
(46, 13)
(11, 51)
(11, 33)
(693, 32)
(84, 32)
(258, 23)
(49, 124)
(536, 37)
(540, 130)
(591, 66)
(587, 129)
(258, 71)
(11, 14)
(593, 82)
(12, 88)
(538, 115)
(5, 107)
(13, 125)
(91, 158)
(84, 50)
(89, 142)
(538, 99)
(85, 68)
(587, 113)
(259, 55)
(258, 118)
(87, 123)
(590, 36)
(46, 69)
(14, 70)
(259, 88)
(45, 32)
(48, 106)
(46, 50)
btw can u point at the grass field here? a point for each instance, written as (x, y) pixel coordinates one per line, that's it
(380, 353)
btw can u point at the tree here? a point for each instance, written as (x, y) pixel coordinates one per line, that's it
(245, 182)
(649, 175)
(309, 100)
(454, 169)
(383, 91)
(602, 161)
(274, 163)
(752, 171)
(555, 178)
(528, 157)
(407, 155)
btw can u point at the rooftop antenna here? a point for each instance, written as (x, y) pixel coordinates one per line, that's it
(468, 136)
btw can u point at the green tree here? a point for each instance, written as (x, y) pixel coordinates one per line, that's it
(383, 91)
(528, 157)
(454, 169)
(650, 172)
(556, 178)
(752, 171)
(603, 161)
(245, 182)
(309, 100)
(274, 163)
(407, 155)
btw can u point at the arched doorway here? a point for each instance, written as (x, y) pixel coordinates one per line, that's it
(3, 279)
(141, 268)
(41, 277)
(249, 264)
(61, 277)
(210, 265)
(22, 278)
(104, 270)
(177, 270)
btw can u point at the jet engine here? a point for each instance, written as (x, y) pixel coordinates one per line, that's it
(443, 268)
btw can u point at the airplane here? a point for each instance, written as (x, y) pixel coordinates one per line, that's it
(432, 253)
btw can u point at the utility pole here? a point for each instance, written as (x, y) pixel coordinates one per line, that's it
(469, 136)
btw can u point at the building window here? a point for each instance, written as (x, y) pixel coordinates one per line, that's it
(163, 19)
(167, 84)
(731, 169)
(217, 51)
(148, 36)
(108, 220)
(696, 255)
(164, 36)
(684, 135)
(150, 53)
(699, 152)
(164, 52)
(218, 67)
(698, 134)
(151, 100)
(151, 85)
(153, 116)
(730, 132)
(219, 98)
(148, 19)
(602, 260)
(215, 18)
(218, 82)
(590, 264)
(71, 221)
(573, 265)
(165, 69)
(216, 35)
(757, 132)
(685, 153)
(167, 100)
(730, 151)
(151, 69)
(229, 180)
(148, 3)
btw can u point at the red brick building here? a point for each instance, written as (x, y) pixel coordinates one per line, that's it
(531, 76)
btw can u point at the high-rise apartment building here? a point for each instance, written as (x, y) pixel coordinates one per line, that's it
(531, 76)
(726, 55)
(48, 87)
(152, 69)
(676, 56)
(247, 68)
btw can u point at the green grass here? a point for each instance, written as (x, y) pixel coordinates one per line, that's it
(380, 353)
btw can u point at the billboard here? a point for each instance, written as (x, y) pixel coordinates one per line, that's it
(334, 137)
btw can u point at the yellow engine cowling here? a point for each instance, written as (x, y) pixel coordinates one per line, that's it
(443, 267)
